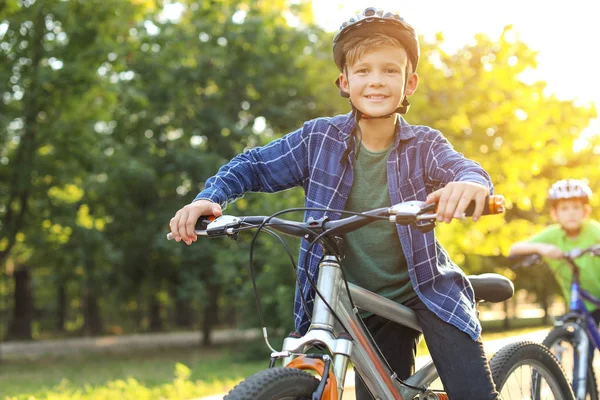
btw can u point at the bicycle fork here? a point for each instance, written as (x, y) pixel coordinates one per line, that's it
(580, 369)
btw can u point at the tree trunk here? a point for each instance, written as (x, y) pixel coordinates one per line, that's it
(20, 327)
(506, 324)
(138, 313)
(61, 307)
(545, 307)
(183, 313)
(19, 186)
(92, 323)
(211, 312)
(156, 322)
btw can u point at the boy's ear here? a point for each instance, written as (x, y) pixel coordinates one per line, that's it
(344, 83)
(587, 210)
(553, 214)
(412, 83)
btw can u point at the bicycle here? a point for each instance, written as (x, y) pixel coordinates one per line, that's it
(573, 334)
(337, 330)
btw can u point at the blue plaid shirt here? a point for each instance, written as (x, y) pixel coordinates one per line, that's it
(420, 162)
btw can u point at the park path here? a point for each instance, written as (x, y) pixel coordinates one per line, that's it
(33, 349)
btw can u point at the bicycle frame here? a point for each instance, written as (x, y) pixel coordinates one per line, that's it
(355, 345)
(578, 308)
(375, 373)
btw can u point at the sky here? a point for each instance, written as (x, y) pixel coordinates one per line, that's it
(566, 33)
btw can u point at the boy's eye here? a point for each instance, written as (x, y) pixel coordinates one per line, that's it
(391, 71)
(362, 71)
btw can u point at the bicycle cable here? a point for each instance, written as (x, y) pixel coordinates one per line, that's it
(250, 226)
(253, 276)
(311, 281)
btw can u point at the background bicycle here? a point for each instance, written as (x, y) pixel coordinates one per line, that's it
(575, 336)
(337, 335)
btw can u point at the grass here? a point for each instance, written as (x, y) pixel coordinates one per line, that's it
(178, 373)
(210, 371)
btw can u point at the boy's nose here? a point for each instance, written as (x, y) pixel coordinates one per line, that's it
(376, 82)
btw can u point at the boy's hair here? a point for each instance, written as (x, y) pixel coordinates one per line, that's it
(356, 47)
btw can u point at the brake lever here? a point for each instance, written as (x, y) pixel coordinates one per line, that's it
(525, 261)
(416, 212)
(425, 225)
(224, 225)
(594, 250)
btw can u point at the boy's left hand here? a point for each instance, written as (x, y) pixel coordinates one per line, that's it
(454, 198)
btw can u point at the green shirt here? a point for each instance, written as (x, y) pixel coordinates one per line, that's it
(589, 265)
(374, 257)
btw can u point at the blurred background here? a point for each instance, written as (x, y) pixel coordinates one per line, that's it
(113, 113)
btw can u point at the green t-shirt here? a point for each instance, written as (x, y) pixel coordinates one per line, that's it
(374, 257)
(589, 265)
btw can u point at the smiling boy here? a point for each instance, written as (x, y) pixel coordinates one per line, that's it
(369, 158)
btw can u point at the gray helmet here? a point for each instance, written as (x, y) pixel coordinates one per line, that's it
(569, 189)
(373, 20)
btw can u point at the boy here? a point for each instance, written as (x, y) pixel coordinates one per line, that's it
(372, 158)
(569, 208)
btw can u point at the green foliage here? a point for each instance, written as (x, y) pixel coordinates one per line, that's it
(113, 117)
(523, 137)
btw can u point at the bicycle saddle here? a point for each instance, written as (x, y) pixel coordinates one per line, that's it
(493, 288)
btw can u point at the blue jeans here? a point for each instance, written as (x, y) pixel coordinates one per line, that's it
(460, 361)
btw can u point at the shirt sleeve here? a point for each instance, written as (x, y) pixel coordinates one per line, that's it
(594, 227)
(444, 164)
(281, 164)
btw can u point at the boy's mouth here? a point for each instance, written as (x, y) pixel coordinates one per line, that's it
(376, 97)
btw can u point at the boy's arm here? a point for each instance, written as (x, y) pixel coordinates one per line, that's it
(280, 165)
(444, 164)
(543, 249)
(541, 243)
(461, 180)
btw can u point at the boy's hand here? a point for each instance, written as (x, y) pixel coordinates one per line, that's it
(454, 198)
(183, 223)
(550, 251)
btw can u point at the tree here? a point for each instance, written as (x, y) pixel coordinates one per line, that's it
(521, 136)
(51, 91)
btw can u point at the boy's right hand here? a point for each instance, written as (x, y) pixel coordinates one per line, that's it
(550, 251)
(183, 223)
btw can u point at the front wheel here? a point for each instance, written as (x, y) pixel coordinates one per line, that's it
(562, 343)
(527, 370)
(275, 384)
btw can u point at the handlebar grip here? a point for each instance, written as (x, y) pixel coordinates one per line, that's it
(493, 205)
(201, 224)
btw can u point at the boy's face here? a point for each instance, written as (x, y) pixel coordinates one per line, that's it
(375, 81)
(570, 214)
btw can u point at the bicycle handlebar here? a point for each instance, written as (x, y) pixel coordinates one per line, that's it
(575, 253)
(527, 260)
(406, 213)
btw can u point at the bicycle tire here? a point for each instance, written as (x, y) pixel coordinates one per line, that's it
(543, 364)
(563, 333)
(275, 384)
